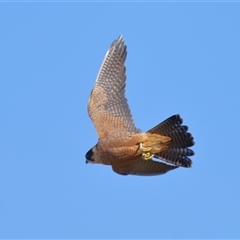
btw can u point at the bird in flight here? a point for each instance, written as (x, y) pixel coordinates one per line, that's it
(120, 143)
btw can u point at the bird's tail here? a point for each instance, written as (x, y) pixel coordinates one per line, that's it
(177, 152)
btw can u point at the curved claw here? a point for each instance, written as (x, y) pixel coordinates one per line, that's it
(144, 149)
(147, 156)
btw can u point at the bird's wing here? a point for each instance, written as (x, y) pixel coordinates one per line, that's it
(107, 105)
(141, 167)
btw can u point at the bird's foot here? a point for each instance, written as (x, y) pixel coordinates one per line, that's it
(144, 149)
(146, 155)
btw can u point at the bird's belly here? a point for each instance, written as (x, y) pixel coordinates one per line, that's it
(120, 149)
(128, 147)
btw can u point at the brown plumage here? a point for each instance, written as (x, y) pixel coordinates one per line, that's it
(120, 143)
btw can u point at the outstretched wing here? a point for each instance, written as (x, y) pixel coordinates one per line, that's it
(141, 167)
(107, 105)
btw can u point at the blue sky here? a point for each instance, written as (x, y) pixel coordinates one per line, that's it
(182, 58)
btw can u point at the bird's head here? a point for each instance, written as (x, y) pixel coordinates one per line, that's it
(90, 156)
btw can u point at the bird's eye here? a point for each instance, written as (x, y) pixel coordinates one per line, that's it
(89, 155)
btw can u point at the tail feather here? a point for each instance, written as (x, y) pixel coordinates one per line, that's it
(182, 161)
(180, 137)
(177, 152)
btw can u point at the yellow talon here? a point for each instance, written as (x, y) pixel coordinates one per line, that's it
(144, 149)
(146, 155)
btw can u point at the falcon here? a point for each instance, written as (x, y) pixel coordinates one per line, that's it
(120, 143)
